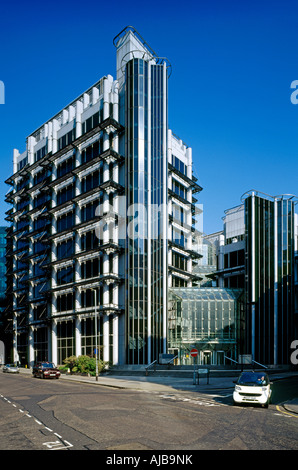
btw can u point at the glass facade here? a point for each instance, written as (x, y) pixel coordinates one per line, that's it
(206, 318)
(269, 281)
(2, 261)
(146, 128)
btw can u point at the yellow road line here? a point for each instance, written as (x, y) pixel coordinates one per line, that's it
(286, 412)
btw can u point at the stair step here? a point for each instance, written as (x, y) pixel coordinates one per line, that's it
(182, 371)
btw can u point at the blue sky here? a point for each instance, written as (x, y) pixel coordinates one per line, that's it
(229, 92)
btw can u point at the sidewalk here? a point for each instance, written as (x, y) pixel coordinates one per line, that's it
(172, 384)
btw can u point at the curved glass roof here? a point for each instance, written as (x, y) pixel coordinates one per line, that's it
(212, 293)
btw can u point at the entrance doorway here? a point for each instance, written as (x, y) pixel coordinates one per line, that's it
(207, 357)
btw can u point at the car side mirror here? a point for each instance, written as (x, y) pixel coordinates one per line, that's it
(234, 381)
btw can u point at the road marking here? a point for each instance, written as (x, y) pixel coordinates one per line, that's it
(286, 412)
(56, 445)
(201, 402)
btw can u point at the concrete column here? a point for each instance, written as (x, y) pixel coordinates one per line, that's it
(78, 336)
(221, 258)
(115, 340)
(54, 342)
(79, 110)
(31, 346)
(106, 342)
(106, 101)
(54, 139)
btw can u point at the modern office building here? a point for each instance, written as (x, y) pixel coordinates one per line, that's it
(102, 219)
(2, 262)
(2, 288)
(257, 251)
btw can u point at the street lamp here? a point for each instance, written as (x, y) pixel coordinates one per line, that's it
(96, 351)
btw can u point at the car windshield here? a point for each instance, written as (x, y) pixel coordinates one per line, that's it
(48, 365)
(253, 379)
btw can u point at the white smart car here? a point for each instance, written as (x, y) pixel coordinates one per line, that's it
(252, 387)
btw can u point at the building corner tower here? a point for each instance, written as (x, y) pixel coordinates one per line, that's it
(142, 78)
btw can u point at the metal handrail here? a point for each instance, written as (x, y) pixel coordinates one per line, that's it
(150, 365)
(262, 365)
(173, 358)
(236, 362)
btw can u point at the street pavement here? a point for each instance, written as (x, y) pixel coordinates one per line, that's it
(172, 384)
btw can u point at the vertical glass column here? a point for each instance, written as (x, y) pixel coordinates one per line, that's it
(269, 268)
(145, 180)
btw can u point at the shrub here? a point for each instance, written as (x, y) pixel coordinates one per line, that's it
(83, 365)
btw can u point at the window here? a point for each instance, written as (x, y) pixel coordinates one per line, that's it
(40, 200)
(21, 224)
(65, 340)
(38, 270)
(40, 223)
(40, 153)
(178, 213)
(38, 290)
(179, 165)
(38, 247)
(91, 181)
(22, 163)
(65, 275)
(65, 302)
(89, 241)
(22, 244)
(40, 176)
(88, 297)
(178, 236)
(40, 311)
(178, 282)
(88, 211)
(91, 268)
(40, 341)
(90, 123)
(66, 166)
(65, 221)
(179, 261)
(88, 336)
(24, 182)
(92, 151)
(65, 194)
(66, 139)
(179, 189)
(65, 248)
(21, 265)
(23, 204)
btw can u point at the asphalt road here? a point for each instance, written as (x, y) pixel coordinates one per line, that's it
(40, 414)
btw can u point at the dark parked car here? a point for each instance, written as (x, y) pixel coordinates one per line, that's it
(45, 370)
